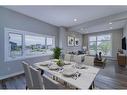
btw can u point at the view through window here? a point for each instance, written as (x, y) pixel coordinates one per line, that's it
(22, 44)
(15, 44)
(34, 45)
(100, 43)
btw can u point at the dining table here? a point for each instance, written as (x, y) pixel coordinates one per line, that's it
(72, 73)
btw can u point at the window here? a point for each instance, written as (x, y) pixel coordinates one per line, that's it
(22, 44)
(15, 45)
(34, 45)
(100, 43)
(49, 41)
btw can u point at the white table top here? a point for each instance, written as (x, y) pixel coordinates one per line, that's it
(83, 82)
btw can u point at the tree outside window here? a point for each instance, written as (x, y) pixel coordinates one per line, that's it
(101, 43)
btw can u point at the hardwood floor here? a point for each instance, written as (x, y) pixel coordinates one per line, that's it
(111, 77)
(18, 82)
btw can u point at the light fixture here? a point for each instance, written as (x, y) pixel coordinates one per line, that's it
(75, 19)
(110, 23)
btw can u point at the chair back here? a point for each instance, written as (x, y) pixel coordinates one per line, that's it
(78, 58)
(29, 82)
(43, 82)
(89, 60)
(51, 84)
(37, 78)
(68, 57)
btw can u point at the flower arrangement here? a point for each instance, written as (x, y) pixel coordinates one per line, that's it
(60, 62)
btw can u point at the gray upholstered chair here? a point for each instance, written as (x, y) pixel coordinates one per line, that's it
(89, 60)
(36, 78)
(78, 58)
(68, 57)
(43, 82)
(29, 82)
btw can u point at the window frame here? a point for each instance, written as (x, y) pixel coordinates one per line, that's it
(99, 41)
(23, 33)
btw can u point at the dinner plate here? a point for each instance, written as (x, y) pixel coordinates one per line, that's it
(53, 67)
(67, 63)
(69, 72)
(55, 60)
(80, 66)
(44, 64)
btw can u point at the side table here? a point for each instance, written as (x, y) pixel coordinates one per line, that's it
(100, 62)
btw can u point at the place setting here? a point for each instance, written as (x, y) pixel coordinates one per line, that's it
(67, 63)
(71, 72)
(58, 65)
(80, 66)
(44, 64)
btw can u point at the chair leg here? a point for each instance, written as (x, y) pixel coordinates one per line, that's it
(42, 72)
(92, 86)
(26, 87)
(3, 84)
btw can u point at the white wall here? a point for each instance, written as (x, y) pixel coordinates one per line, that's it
(14, 20)
(116, 41)
(63, 36)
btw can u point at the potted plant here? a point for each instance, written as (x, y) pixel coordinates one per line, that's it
(56, 52)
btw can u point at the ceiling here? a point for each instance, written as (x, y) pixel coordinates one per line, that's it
(101, 27)
(65, 15)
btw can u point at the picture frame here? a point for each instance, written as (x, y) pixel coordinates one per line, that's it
(76, 41)
(70, 41)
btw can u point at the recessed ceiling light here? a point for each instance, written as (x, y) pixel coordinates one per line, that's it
(110, 22)
(75, 19)
(110, 27)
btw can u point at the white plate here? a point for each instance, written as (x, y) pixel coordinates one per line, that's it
(80, 66)
(44, 64)
(53, 67)
(67, 62)
(69, 71)
(54, 60)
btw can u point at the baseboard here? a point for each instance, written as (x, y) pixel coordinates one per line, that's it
(11, 75)
(112, 58)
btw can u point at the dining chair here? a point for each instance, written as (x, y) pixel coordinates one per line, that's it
(68, 57)
(43, 82)
(78, 58)
(37, 78)
(29, 82)
(89, 60)
(52, 84)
